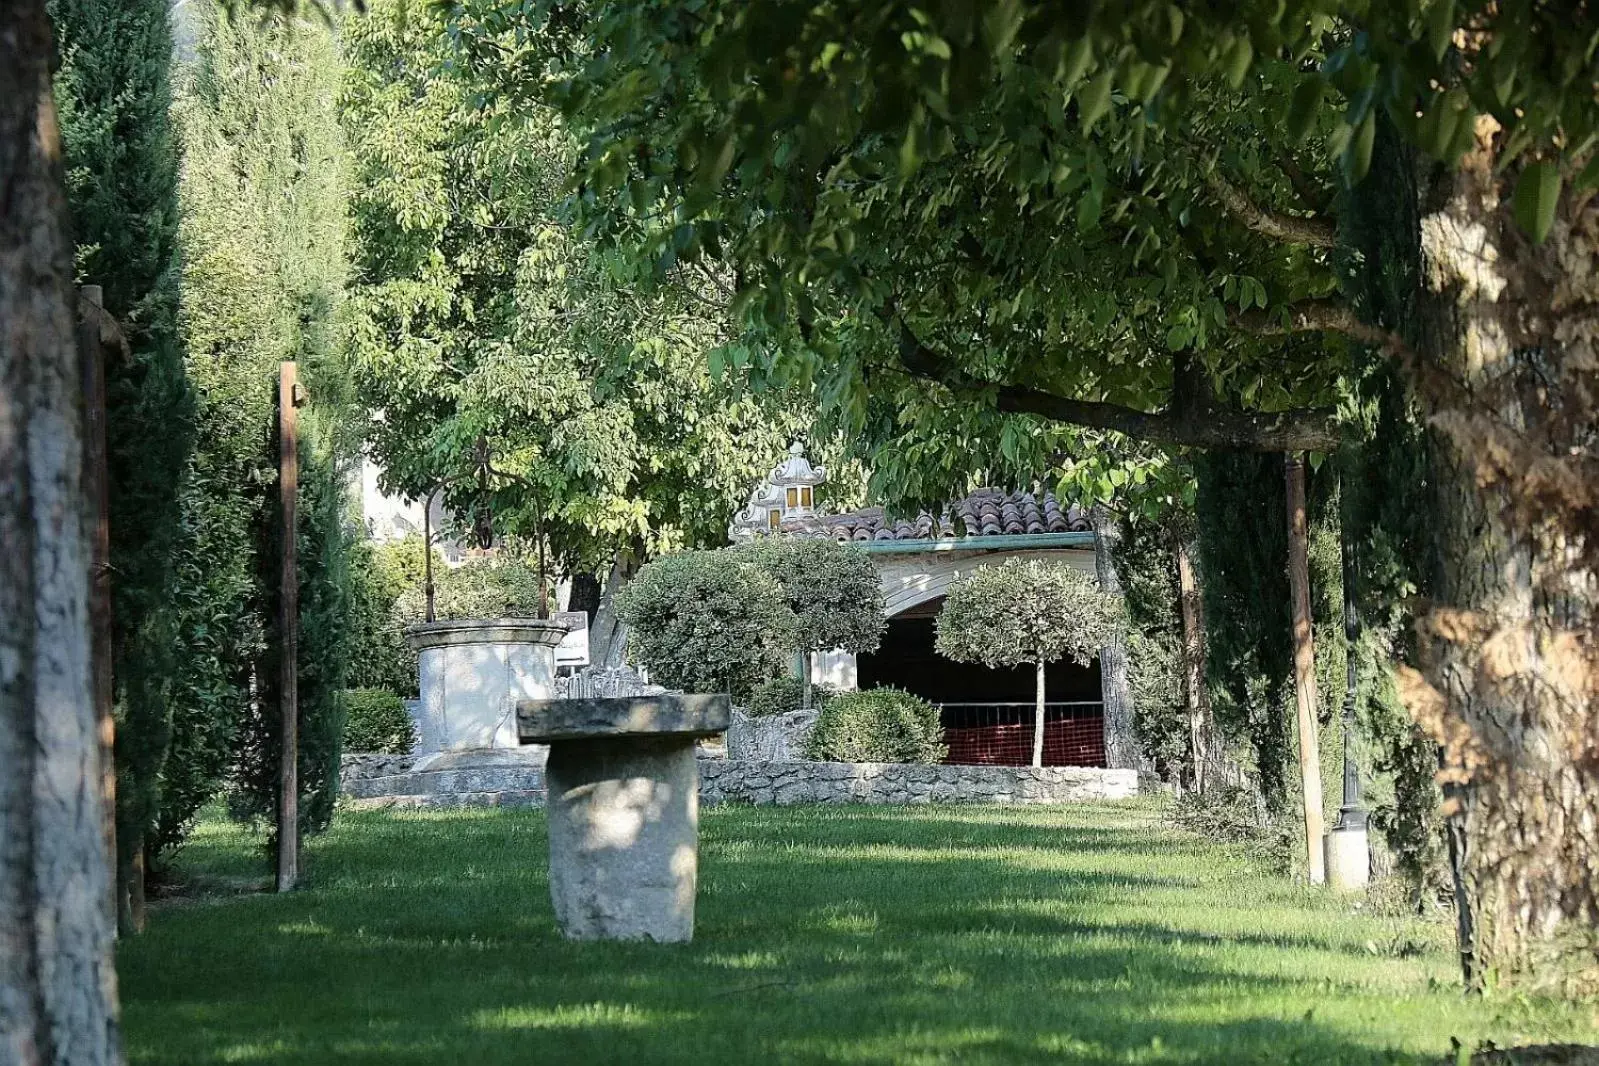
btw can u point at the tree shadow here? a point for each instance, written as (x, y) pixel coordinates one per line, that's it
(860, 937)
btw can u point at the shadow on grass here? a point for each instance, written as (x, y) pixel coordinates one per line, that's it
(850, 936)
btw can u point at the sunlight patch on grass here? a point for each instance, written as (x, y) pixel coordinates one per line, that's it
(573, 1016)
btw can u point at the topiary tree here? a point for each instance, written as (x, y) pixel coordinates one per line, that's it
(833, 591)
(1026, 611)
(878, 725)
(784, 693)
(708, 621)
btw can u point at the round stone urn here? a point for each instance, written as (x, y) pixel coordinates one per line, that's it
(473, 673)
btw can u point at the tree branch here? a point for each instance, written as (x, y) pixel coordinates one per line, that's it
(1191, 421)
(1326, 316)
(1290, 229)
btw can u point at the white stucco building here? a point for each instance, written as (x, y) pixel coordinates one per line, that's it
(987, 712)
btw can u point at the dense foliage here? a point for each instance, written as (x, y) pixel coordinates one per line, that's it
(784, 693)
(1025, 611)
(263, 275)
(832, 588)
(478, 313)
(708, 621)
(375, 720)
(113, 91)
(497, 587)
(379, 576)
(877, 725)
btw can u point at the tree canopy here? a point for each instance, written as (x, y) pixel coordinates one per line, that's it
(1025, 611)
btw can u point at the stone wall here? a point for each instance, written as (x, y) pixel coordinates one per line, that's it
(783, 783)
(518, 779)
(358, 766)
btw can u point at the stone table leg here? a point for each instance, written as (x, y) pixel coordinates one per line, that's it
(624, 837)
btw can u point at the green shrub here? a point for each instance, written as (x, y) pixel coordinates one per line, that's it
(488, 588)
(707, 621)
(784, 693)
(376, 721)
(878, 725)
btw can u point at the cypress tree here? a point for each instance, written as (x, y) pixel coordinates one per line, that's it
(113, 89)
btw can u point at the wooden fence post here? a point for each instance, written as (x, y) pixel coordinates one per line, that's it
(289, 399)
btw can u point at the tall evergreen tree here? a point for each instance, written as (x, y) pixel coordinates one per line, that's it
(264, 269)
(114, 92)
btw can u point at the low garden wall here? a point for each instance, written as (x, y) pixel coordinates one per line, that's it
(390, 779)
(783, 783)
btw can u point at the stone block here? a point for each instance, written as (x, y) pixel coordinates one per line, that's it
(670, 714)
(624, 838)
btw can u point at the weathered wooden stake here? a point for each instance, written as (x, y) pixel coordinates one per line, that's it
(96, 491)
(1304, 667)
(289, 399)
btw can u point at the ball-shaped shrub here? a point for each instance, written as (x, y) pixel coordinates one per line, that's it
(707, 621)
(784, 693)
(878, 725)
(375, 720)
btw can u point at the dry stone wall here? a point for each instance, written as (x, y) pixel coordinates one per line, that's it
(784, 783)
(396, 780)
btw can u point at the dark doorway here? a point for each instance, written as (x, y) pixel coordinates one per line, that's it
(988, 713)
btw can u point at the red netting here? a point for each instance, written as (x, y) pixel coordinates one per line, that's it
(1069, 740)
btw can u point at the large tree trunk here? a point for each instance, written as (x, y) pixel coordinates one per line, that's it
(1507, 368)
(57, 984)
(608, 641)
(1305, 670)
(1116, 692)
(1201, 723)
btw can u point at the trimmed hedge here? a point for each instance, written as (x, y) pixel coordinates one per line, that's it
(376, 721)
(784, 693)
(878, 725)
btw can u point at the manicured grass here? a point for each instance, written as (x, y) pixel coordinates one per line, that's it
(1085, 934)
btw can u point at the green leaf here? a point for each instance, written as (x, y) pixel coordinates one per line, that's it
(1440, 27)
(1078, 56)
(1239, 58)
(1537, 196)
(1357, 157)
(1302, 111)
(1094, 100)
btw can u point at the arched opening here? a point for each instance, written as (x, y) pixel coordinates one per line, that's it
(988, 713)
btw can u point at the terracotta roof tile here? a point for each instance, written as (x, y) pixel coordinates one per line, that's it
(985, 513)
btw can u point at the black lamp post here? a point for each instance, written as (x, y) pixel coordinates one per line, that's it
(1351, 815)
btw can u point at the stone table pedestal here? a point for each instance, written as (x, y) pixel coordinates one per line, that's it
(623, 805)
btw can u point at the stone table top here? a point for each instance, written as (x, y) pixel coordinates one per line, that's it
(670, 714)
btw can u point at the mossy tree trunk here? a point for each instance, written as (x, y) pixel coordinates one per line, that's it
(1507, 346)
(57, 984)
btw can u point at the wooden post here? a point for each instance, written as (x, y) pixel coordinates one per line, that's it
(1304, 667)
(96, 490)
(289, 630)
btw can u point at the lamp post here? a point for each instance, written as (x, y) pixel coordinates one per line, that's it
(1348, 856)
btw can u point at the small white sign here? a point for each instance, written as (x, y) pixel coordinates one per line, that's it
(574, 647)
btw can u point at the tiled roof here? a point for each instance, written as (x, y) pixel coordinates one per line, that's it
(985, 513)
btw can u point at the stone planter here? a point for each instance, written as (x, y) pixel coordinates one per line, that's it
(473, 672)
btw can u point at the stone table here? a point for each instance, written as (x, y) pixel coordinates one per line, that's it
(623, 804)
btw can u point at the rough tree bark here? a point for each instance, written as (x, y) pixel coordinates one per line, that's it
(1201, 724)
(57, 984)
(1116, 691)
(1305, 670)
(608, 641)
(1507, 367)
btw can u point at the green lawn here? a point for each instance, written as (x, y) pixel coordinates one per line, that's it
(1082, 934)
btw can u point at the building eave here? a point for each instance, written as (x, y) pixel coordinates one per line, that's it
(1000, 542)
